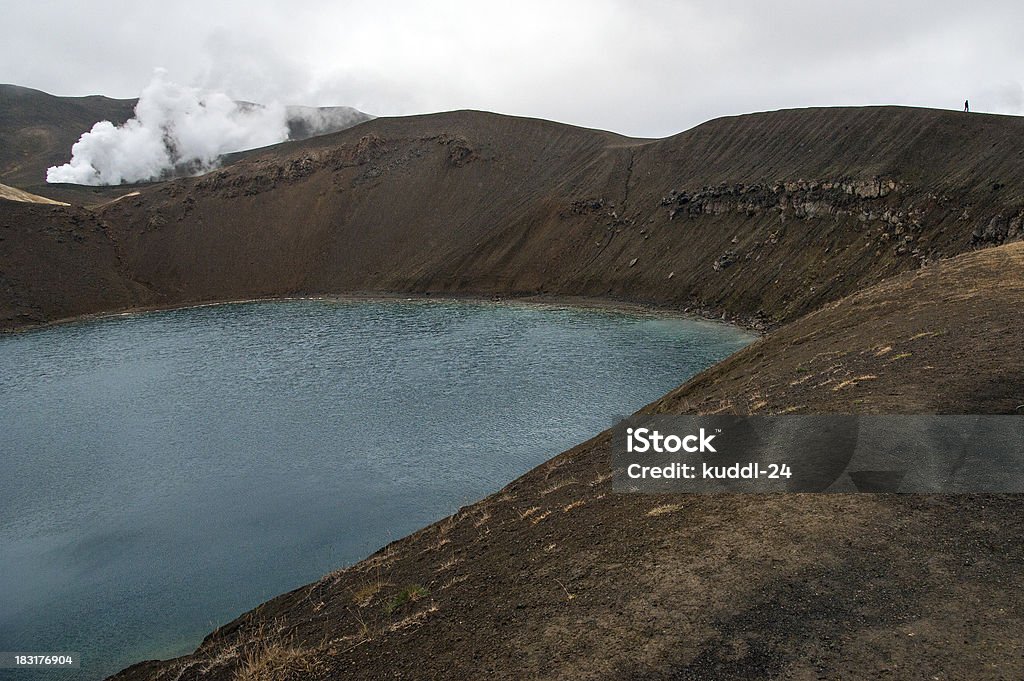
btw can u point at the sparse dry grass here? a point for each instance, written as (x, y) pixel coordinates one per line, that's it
(365, 594)
(557, 486)
(448, 564)
(442, 537)
(554, 464)
(573, 505)
(854, 381)
(724, 406)
(523, 515)
(537, 518)
(663, 509)
(568, 594)
(414, 620)
(382, 558)
(444, 527)
(802, 379)
(277, 661)
(456, 579)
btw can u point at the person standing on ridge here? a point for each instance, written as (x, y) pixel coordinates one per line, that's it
(967, 106)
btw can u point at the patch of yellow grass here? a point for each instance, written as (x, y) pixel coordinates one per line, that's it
(457, 579)
(365, 594)
(663, 509)
(723, 406)
(449, 564)
(414, 620)
(575, 504)
(854, 381)
(557, 486)
(523, 515)
(14, 194)
(538, 518)
(276, 661)
(441, 540)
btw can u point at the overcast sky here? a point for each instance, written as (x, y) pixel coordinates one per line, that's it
(645, 68)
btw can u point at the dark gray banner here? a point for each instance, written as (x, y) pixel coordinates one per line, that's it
(766, 454)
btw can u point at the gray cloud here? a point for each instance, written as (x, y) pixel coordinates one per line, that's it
(646, 68)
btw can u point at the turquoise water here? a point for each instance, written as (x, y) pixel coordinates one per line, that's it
(163, 473)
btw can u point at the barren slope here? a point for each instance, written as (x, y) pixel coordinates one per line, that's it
(37, 129)
(769, 220)
(56, 262)
(761, 217)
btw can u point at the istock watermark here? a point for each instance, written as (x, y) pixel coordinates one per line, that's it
(766, 454)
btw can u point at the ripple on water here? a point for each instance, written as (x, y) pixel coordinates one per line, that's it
(165, 472)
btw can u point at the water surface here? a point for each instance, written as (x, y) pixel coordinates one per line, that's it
(162, 473)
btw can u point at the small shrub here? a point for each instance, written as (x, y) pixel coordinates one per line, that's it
(409, 594)
(365, 594)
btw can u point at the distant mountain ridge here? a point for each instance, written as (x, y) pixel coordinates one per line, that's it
(37, 129)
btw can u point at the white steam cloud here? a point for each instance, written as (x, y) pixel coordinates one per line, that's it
(176, 129)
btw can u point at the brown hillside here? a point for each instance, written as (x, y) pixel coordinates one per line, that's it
(37, 129)
(57, 262)
(470, 202)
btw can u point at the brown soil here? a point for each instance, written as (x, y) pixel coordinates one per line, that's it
(839, 229)
(58, 262)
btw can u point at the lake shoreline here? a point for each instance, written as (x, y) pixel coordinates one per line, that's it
(538, 300)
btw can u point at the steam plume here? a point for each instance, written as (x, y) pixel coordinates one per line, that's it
(176, 129)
